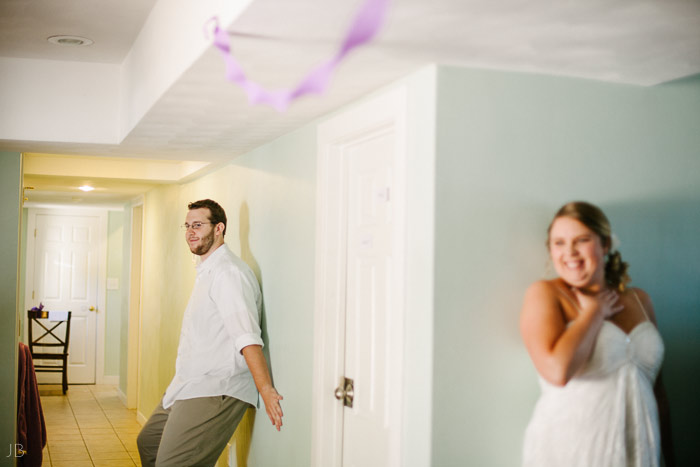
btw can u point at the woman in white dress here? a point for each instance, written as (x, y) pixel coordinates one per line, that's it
(597, 350)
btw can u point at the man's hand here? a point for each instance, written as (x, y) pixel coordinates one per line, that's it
(272, 399)
(258, 368)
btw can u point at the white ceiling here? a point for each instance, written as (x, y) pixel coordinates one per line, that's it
(151, 86)
(112, 25)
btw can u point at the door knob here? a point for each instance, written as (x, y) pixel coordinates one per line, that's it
(92, 308)
(346, 391)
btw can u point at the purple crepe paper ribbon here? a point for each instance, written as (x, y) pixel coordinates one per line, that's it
(367, 23)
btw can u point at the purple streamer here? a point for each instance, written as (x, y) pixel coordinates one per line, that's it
(365, 26)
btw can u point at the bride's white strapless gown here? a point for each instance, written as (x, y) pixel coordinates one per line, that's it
(606, 415)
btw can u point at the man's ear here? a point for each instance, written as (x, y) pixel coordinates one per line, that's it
(220, 228)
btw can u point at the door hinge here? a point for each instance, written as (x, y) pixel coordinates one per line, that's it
(346, 391)
(32, 295)
(34, 233)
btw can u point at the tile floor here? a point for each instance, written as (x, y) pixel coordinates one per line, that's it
(89, 426)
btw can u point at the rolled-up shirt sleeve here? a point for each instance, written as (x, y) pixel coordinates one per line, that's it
(234, 296)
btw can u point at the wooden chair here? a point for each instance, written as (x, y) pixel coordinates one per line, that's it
(51, 345)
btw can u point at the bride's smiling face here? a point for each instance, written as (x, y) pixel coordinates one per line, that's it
(577, 253)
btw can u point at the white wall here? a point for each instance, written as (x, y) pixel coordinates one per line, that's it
(45, 100)
(81, 102)
(420, 219)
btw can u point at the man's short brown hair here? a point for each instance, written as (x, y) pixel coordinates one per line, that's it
(216, 212)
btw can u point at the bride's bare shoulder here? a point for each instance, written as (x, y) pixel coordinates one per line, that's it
(639, 296)
(544, 287)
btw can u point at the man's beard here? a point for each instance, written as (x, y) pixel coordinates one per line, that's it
(205, 244)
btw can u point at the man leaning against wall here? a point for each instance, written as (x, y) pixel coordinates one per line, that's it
(220, 367)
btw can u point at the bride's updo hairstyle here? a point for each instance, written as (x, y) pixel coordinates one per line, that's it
(592, 217)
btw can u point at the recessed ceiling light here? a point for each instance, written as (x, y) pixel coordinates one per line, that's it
(86, 188)
(70, 40)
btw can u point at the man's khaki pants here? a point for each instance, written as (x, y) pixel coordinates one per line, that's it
(191, 432)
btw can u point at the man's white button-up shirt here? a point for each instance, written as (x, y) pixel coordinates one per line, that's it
(221, 318)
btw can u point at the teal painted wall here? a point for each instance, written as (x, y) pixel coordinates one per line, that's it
(113, 318)
(10, 213)
(661, 232)
(276, 189)
(22, 271)
(511, 148)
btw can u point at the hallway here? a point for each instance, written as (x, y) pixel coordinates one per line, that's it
(89, 426)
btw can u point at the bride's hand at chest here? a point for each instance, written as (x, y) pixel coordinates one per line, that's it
(606, 302)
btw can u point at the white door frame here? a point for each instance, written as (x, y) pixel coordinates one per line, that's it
(386, 112)
(101, 214)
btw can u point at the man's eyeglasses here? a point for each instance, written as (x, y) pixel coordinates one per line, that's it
(193, 226)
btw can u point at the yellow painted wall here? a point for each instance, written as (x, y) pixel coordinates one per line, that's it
(166, 270)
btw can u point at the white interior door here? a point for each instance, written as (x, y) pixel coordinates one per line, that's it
(359, 309)
(66, 250)
(368, 307)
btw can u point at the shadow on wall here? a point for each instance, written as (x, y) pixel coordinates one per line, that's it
(659, 240)
(247, 256)
(244, 432)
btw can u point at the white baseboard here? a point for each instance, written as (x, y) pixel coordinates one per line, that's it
(141, 418)
(122, 396)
